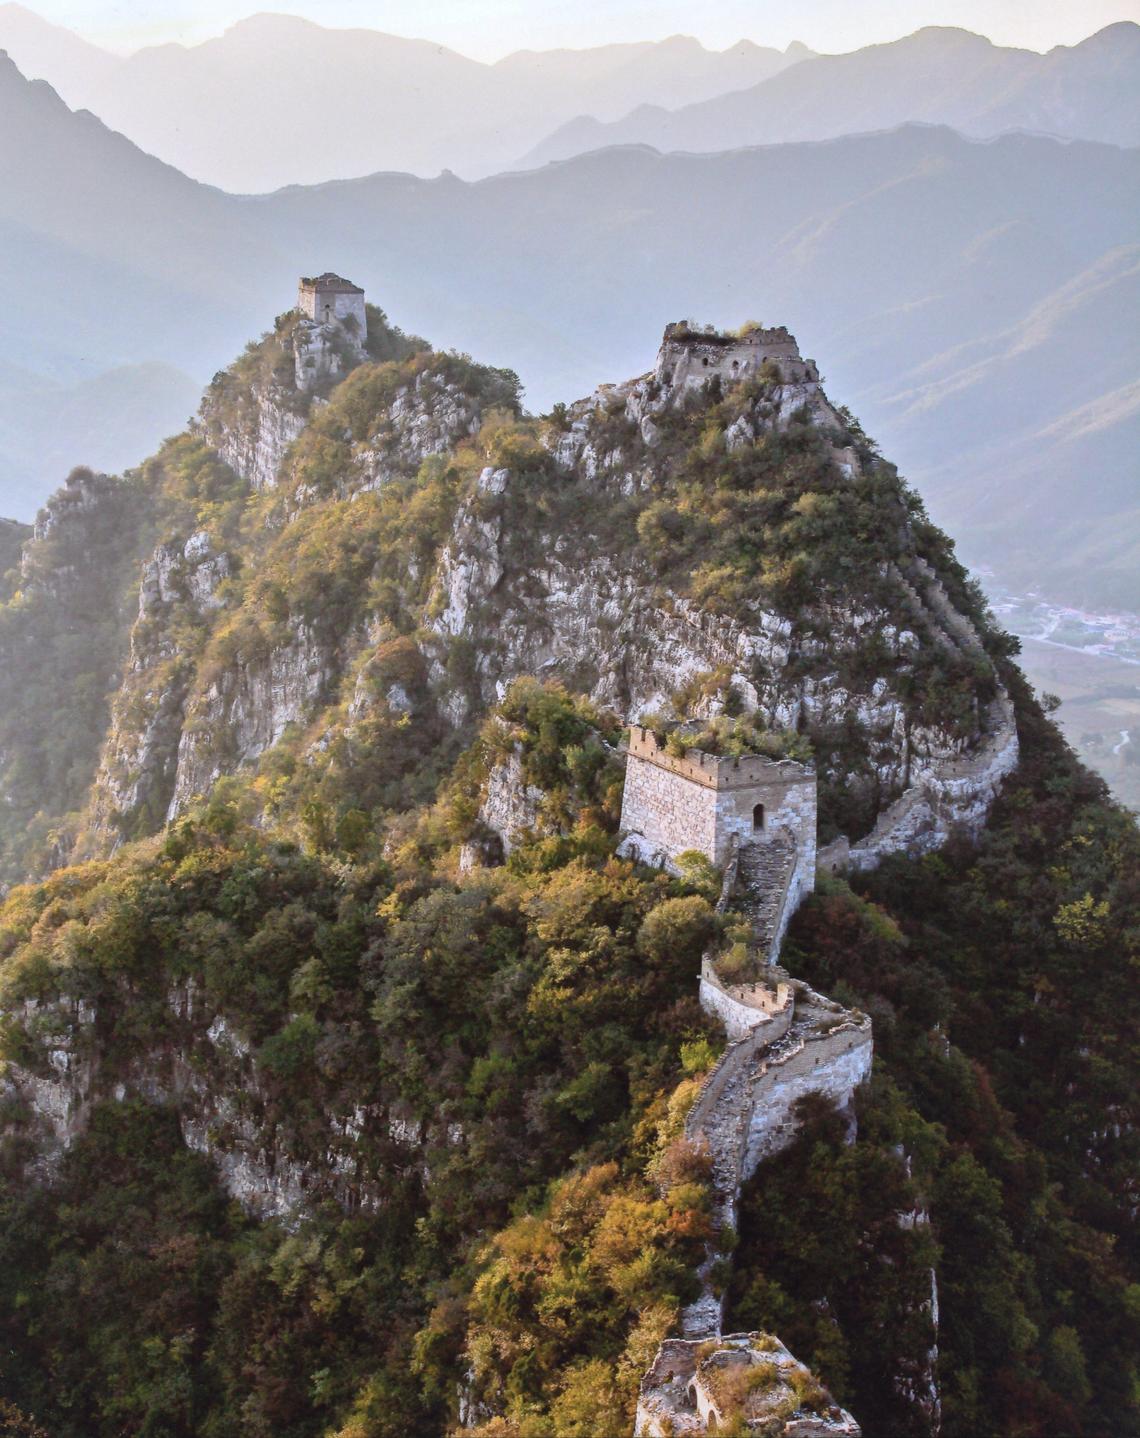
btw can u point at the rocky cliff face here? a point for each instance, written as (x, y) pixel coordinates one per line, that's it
(346, 565)
(749, 1379)
(64, 622)
(252, 413)
(545, 562)
(178, 595)
(214, 680)
(201, 1067)
(582, 599)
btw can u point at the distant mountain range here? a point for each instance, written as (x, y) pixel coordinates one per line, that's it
(1089, 91)
(976, 301)
(312, 104)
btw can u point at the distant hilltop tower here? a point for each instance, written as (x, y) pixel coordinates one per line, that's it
(688, 356)
(329, 299)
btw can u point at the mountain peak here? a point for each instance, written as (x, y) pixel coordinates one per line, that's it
(1120, 32)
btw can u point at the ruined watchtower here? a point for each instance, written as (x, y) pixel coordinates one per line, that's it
(690, 356)
(328, 299)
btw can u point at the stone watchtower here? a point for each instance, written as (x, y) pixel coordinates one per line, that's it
(689, 357)
(755, 812)
(328, 299)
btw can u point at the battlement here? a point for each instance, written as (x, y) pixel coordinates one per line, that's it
(717, 771)
(691, 356)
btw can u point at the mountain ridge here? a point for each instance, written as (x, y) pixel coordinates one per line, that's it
(366, 1036)
(887, 251)
(385, 103)
(885, 85)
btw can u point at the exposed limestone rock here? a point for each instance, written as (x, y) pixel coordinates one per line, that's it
(323, 352)
(251, 416)
(603, 622)
(246, 709)
(83, 493)
(510, 805)
(257, 449)
(54, 1096)
(203, 1069)
(427, 417)
(137, 769)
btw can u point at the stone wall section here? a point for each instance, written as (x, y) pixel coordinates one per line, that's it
(830, 1062)
(665, 813)
(949, 796)
(689, 358)
(744, 1112)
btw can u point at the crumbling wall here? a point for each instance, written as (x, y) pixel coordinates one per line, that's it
(830, 1063)
(948, 796)
(680, 1393)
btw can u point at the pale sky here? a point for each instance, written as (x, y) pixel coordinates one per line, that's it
(487, 29)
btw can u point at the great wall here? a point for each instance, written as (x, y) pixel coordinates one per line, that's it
(755, 819)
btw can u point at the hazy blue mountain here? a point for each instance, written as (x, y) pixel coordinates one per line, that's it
(108, 256)
(313, 104)
(43, 51)
(109, 421)
(937, 75)
(976, 301)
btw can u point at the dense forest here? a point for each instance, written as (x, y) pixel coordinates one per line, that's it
(465, 1071)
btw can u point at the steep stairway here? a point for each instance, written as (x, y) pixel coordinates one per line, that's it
(762, 877)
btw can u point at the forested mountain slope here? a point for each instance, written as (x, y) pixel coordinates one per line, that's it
(314, 1125)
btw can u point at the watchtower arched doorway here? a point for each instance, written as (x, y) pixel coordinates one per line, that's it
(758, 818)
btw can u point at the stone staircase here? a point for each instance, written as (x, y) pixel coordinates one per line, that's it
(763, 874)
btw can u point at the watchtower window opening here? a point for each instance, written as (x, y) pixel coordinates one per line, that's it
(758, 818)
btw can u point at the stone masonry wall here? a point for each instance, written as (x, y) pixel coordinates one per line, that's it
(833, 1065)
(664, 814)
(745, 1008)
(690, 358)
(789, 800)
(948, 796)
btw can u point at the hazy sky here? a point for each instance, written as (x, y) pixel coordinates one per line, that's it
(490, 28)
